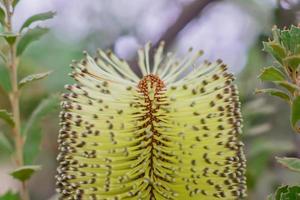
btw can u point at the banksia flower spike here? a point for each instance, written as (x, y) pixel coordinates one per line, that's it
(172, 134)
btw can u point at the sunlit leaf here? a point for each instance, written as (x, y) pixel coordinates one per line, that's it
(30, 36)
(295, 114)
(7, 117)
(25, 172)
(275, 50)
(290, 38)
(290, 163)
(274, 92)
(32, 130)
(33, 77)
(271, 74)
(37, 17)
(9, 195)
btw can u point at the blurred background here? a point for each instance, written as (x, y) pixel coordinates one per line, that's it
(232, 30)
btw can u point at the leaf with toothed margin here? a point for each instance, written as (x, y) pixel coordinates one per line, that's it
(289, 86)
(274, 92)
(271, 74)
(293, 62)
(25, 172)
(290, 163)
(171, 134)
(287, 193)
(33, 77)
(275, 49)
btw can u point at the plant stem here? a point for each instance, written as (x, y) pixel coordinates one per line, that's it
(14, 97)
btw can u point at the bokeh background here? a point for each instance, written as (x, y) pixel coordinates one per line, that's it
(232, 30)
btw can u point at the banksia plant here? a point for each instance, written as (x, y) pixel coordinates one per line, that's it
(285, 75)
(22, 137)
(172, 134)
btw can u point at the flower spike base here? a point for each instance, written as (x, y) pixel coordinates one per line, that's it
(172, 134)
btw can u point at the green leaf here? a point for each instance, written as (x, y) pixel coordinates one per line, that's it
(274, 92)
(271, 74)
(2, 16)
(292, 61)
(287, 85)
(30, 36)
(275, 50)
(291, 163)
(32, 130)
(288, 193)
(290, 38)
(10, 196)
(5, 79)
(25, 172)
(295, 114)
(7, 117)
(33, 77)
(10, 38)
(37, 17)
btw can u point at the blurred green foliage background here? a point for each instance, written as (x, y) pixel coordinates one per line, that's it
(232, 30)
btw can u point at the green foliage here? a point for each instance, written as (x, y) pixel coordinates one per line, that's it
(286, 193)
(285, 48)
(2, 16)
(33, 77)
(275, 50)
(25, 172)
(291, 163)
(37, 17)
(7, 117)
(10, 196)
(4, 79)
(32, 130)
(10, 38)
(271, 74)
(274, 92)
(291, 87)
(295, 116)
(292, 62)
(30, 36)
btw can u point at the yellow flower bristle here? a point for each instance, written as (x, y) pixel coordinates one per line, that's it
(172, 134)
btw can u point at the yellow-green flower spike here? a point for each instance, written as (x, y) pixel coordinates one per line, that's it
(172, 134)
